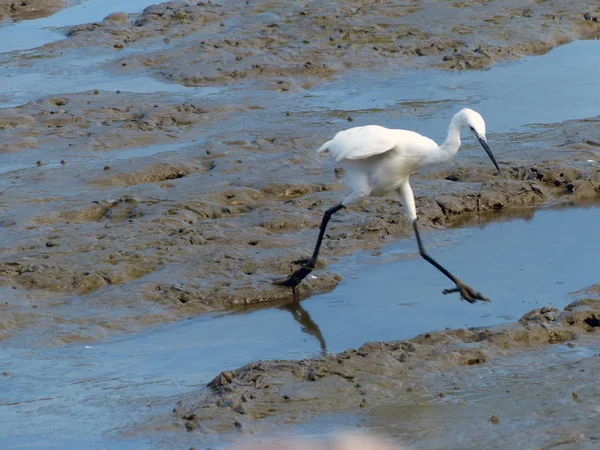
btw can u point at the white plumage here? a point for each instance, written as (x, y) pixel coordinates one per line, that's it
(379, 161)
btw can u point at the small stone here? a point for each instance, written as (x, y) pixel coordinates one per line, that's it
(118, 46)
(441, 395)
(96, 92)
(167, 40)
(189, 425)
(495, 420)
(363, 403)
(51, 244)
(107, 167)
(39, 163)
(448, 58)
(587, 16)
(63, 162)
(350, 119)
(237, 424)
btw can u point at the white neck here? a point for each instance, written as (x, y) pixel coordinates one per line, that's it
(448, 149)
(452, 142)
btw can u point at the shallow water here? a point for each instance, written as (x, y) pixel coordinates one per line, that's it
(510, 95)
(83, 391)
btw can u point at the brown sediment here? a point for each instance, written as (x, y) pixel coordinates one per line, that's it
(290, 45)
(29, 9)
(267, 394)
(98, 120)
(208, 224)
(116, 241)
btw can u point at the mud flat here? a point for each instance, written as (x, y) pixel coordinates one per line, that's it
(30, 9)
(287, 45)
(506, 380)
(158, 165)
(210, 225)
(182, 202)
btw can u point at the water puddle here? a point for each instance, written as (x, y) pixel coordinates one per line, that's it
(67, 75)
(16, 162)
(79, 393)
(510, 96)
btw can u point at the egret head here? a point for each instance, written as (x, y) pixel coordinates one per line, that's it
(476, 124)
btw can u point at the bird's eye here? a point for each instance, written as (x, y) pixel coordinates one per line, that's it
(472, 129)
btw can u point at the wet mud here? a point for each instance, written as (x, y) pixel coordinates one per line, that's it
(185, 203)
(288, 46)
(29, 9)
(210, 226)
(437, 374)
(123, 209)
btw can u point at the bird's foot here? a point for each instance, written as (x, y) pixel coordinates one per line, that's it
(295, 278)
(307, 266)
(467, 293)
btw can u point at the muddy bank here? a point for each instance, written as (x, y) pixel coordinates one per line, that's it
(209, 226)
(434, 369)
(287, 45)
(98, 120)
(179, 203)
(29, 9)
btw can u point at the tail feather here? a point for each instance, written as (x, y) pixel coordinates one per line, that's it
(324, 147)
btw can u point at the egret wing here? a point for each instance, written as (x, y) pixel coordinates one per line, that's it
(360, 142)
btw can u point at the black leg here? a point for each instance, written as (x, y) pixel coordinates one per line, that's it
(466, 292)
(309, 264)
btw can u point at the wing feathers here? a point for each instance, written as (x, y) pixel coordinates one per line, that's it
(360, 142)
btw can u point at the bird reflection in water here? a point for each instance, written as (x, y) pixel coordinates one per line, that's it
(300, 315)
(307, 324)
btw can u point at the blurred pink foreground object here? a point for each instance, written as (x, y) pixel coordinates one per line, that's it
(339, 442)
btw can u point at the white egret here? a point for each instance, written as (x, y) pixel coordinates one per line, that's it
(378, 162)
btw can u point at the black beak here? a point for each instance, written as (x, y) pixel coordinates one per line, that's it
(486, 147)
